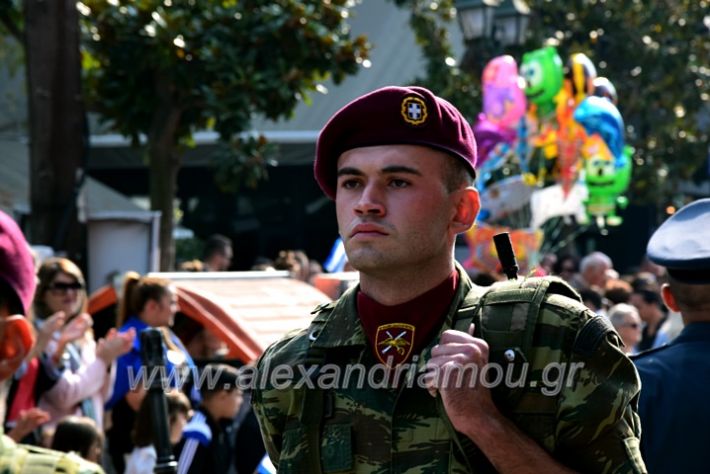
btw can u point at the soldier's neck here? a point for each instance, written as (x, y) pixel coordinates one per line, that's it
(392, 288)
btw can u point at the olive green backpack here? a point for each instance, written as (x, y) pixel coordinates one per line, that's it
(506, 316)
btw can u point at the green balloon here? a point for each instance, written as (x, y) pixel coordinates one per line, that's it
(606, 181)
(543, 73)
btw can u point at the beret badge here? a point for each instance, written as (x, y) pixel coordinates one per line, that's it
(414, 110)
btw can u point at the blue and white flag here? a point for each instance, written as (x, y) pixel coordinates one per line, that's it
(337, 259)
(266, 466)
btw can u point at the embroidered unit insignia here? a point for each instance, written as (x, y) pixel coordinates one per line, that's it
(394, 343)
(414, 110)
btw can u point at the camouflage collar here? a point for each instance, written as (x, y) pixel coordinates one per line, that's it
(340, 325)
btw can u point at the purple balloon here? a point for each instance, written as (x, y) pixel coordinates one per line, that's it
(488, 135)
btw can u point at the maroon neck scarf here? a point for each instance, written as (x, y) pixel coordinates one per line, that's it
(398, 332)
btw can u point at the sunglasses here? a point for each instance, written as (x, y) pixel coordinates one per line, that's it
(60, 287)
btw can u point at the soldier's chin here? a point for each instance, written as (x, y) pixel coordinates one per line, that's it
(367, 262)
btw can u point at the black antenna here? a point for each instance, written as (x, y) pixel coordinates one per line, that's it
(153, 356)
(506, 256)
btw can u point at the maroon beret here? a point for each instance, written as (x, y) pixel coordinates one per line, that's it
(17, 267)
(393, 116)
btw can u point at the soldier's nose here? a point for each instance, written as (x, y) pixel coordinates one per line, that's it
(370, 202)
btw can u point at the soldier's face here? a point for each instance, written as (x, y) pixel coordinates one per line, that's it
(394, 211)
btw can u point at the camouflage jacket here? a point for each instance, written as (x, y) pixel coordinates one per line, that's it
(590, 425)
(25, 459)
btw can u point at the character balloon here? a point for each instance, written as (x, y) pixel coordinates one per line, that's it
(598, 115)
(543, 74)
(607, 178)
(603, 87)
(580, 74)
(503, 98)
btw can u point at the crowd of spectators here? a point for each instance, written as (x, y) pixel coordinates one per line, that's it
(74, 392)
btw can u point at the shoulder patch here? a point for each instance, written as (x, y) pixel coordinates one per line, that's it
(198, 429)
(322, 307)
(591, 335)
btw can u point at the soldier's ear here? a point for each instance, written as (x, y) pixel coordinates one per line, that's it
(467, 204)
(668, 298)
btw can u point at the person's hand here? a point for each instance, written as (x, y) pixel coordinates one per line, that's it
(76, 328)
(51, 325)
(454, 371)
(27, 422)
(115, 344)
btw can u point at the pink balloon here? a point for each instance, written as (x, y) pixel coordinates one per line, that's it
(503, 98)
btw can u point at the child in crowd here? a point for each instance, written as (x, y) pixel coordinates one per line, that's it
(143, 457)
(205, 445)
(79, 434)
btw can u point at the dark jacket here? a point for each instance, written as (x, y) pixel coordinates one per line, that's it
(675, 389)
(204, 446)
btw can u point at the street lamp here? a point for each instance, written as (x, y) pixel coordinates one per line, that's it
(502, 21)
(476, 17)
(511, 22)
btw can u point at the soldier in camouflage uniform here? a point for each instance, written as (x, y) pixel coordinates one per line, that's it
(17, 286)
(399, 163)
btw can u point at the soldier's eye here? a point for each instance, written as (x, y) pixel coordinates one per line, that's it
(399, 183)
(349, 183)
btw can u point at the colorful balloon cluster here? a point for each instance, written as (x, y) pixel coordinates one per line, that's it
(550, 126)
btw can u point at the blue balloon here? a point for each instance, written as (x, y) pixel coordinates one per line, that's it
(599, 115)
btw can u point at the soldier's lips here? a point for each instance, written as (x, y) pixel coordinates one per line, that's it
(367, 230)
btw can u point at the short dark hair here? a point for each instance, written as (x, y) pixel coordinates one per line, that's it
(644, 281)
(688, 296)
(593, 296)
(217, 244)
(456, 174)
(218, 377)
(559, 266)
(78, 434)
(650, 296)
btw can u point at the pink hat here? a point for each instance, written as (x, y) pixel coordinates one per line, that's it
(17, 267)
(393, 116)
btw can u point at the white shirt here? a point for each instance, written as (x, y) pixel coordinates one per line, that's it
(141, 460)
